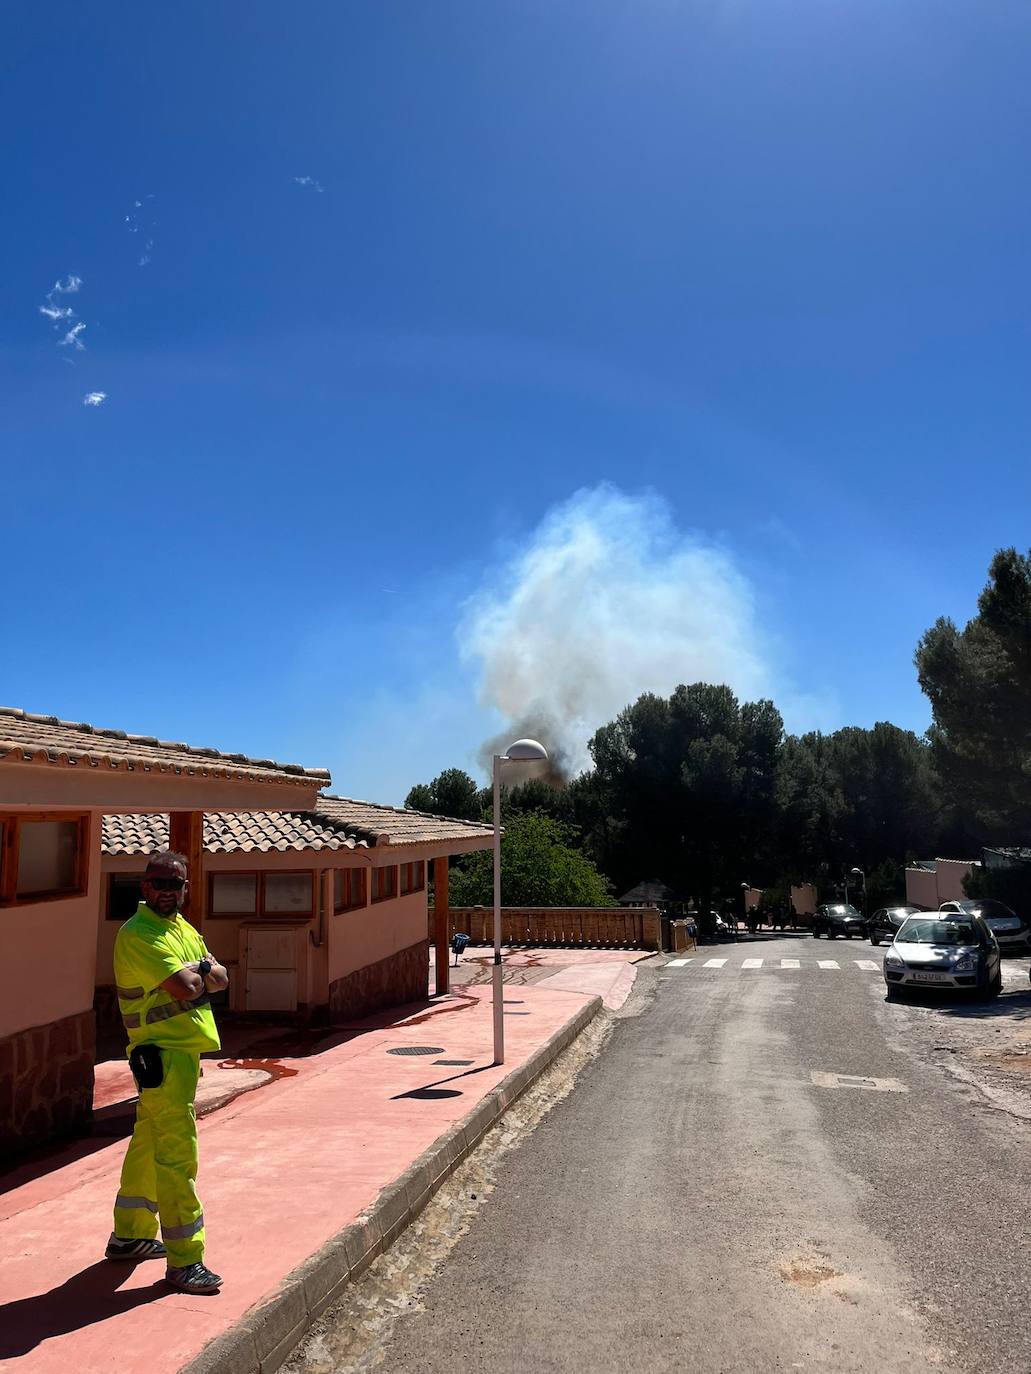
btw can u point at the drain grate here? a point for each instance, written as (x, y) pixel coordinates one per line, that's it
(417, 1049)
(454, 1063)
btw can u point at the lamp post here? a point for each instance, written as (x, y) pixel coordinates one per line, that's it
(857, 873)
(522, 751)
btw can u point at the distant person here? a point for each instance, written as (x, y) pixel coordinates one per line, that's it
(164, 976)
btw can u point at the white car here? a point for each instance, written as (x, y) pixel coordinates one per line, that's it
(1011, 932)
(950, 952)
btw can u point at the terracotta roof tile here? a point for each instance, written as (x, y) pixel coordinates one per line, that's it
(338, 823)
(395, 824)
(26, 738)
(230, 832)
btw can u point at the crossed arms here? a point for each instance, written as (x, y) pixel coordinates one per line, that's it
(187, 984)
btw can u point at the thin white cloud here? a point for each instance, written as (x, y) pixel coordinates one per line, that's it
(52, 311)
(72, 339)
(313, 182)
(94, 398)
(141, 220)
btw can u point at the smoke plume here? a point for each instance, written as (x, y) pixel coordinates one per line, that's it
(607, 599)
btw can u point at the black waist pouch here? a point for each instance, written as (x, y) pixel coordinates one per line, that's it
(147, 1069)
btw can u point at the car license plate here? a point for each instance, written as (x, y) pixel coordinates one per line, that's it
(930, 977)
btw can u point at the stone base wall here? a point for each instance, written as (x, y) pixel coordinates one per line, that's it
(402, 977)
(46, 1082)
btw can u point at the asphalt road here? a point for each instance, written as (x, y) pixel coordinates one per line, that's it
(710, 1197)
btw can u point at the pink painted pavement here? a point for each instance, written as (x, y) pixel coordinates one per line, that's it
(284, 1167)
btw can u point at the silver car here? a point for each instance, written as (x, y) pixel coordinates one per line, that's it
(954, 952)
(1008, 928)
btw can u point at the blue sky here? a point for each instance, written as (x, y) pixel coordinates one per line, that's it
(751, 272)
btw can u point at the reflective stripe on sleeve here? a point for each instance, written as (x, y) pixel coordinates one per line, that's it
(131, 1204)
(183, 1232)
(168, 1009)
(129, 994)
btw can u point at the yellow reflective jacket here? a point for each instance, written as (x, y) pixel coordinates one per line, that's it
(148, 950)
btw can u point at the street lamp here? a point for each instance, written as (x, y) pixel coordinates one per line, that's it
(522, 751)
(857, 873)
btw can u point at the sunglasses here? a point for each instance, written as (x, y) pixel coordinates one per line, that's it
(166, 884)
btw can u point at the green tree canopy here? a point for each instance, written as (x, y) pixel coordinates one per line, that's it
(856, 797)
(978, 681)
(451, 793)
(539, 867)
(689, 785)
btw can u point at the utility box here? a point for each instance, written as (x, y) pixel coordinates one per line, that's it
(270, 960)
(683, 939)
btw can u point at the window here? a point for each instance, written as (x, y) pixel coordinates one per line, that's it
(384, 884)
(287, 894)
(234, 894)
(348, 888)
(123, 895)
(413, 877)
(259, 894)
(43, 856)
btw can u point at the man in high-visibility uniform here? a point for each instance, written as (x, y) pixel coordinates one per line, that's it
(164, 975)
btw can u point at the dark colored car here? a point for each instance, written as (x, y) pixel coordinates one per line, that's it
(835, 918)
(883, 924)
(1009, 929)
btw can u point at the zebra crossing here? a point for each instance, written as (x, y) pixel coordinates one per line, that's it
(756, 963)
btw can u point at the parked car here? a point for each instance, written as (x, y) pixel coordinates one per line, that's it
(1011, 931)
(947, 951)
(835, 918)
(884, 924)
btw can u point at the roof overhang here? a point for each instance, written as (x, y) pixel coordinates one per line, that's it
(58, 785)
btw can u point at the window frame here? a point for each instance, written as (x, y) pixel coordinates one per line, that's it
(212, 915)
(11, 823)
(363, 896)
(305, 915)
(418, 870)
(387, 896)
(112, 880)
(260, 912)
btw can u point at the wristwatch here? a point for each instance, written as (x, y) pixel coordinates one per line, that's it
(204, 967)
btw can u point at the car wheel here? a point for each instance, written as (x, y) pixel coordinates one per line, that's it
(832, 935)
(892, 993)
(816, 933)
(848, 935)
(875, 940)
(995, 986)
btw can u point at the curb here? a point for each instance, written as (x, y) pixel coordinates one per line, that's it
(267, 1335)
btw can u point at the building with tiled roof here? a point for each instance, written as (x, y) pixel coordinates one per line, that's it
(319, 913)
(58, 778)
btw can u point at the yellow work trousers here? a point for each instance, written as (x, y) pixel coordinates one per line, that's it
(160, 1170)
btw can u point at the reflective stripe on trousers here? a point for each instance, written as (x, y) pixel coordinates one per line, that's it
(161, 1163)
